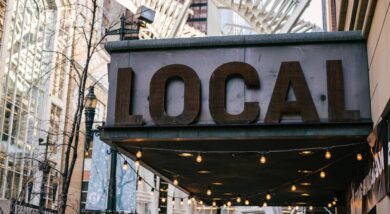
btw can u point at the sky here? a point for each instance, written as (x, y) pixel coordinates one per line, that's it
(313, 13)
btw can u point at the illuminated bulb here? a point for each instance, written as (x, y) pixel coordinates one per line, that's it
(86, 153)
(296, 207)
(328, 155)
(268, 196)
(238, 199)
(264, 204)
(311, 208)
(139, 181)
(137, 162)
(201, 202)
(293, 188)
(199, 158)
(125, 165)
(208, 191)
(175, 182)
(189, 201)
(289, 208)
(359, 156)
(322, 174)
(334, 203)
(139, 153)
(181, 201)
(229, 203)
(246, 202)
(214, 204)
(263, 159)
(163, 200)
(330, 205)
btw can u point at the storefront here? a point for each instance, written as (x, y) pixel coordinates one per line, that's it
(267, 118)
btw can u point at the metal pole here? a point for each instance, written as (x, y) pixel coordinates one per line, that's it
(111, 206)
(45, 169)
(122, 28)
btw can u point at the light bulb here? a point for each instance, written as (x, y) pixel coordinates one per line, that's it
(199, 158)
(334, 202)
(175, 182)
(137, 162)
(238, 199)
(139, 181)
(86, 153)
(181, 201)
(246, 202)
(322, 174)
(201, 202)
(263, 159)
(163, 200)
(289, 208)
(330, 205)
(125, 165)
(359, 156)
(268, 196)
(311, 208)
(293, 188)
(264, 204)
(208, 192)
(139, 153)
(296, 207)
(229, 203)
(214, 204)
(328, 155)
(189, 201)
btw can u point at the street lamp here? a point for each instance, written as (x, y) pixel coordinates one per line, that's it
(144, 15)
(89, 111)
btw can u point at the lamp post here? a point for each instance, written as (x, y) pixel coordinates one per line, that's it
(89, 111)
(144, 15)
(43, 166)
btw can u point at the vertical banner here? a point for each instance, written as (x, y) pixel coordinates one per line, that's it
(368, 191)
(126, 186)
(98, 180)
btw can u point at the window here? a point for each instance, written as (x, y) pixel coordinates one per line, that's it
(54, 133)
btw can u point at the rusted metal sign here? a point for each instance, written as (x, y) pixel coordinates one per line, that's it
(308, 83)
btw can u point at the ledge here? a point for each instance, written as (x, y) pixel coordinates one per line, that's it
(233, 41)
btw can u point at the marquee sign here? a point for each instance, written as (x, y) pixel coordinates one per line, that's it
(307, 83)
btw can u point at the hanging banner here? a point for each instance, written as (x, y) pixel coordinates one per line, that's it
(372, 188)
(98, 181)
(126, 181)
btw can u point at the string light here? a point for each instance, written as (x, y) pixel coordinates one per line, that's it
(264, 204)
(246, 201)
(214, 204)
(139, 180)
(238, 199)
(175, 182)
(293, 188)
(334, 202)
(289, 208)
(201, 202)
(330, 205)
(322, 174)
(310, 208)
(268, 196)
(163, 200)
(189, 201)
(86, 153)
(125, 165)
(359, 156)
(263, 159)
(208, 192)
(181, 201)
(229, 203)
(328, 155)
(139, 153)
(137, 162)
(199, 158)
